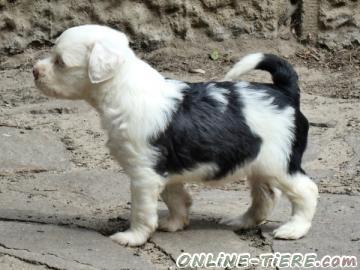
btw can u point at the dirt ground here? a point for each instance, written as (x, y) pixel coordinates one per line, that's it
(330, 84)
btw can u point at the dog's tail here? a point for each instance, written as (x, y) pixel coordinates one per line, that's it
(283, 74)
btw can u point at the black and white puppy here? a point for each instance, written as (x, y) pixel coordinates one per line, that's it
(165, 133)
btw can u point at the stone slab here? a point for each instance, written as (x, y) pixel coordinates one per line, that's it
(207, 237)
(205, 234)
(335, 229)
(217, 204)
(66, 248)
(12, 263)
(31, 150)
(89, 198)
(313, 149)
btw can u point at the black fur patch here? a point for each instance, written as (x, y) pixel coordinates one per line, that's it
(283, 76)
(279, 99)
(300, 142)
(201, 133)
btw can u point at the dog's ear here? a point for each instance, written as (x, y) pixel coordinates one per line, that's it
(104, 60)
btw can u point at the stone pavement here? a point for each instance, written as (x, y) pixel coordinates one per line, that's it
(61, 195)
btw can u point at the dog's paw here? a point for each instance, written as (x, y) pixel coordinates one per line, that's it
(292, 230)
(241, 222)
(172, 224)
(130, 238)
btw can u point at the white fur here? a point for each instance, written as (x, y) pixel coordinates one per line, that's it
(136, 103)
(303, 194)
(104, 60)
(264, 198)
(198, 174)
(245, 65)
(218, 94)
(178, 201)
(276, 131)
(275, 128)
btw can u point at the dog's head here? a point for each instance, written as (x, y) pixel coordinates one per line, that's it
(82, 57)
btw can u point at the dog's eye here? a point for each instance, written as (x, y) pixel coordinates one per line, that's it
(59, 62)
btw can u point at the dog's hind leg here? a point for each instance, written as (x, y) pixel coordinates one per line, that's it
(178, 201)
(264, 198)
(302, 193)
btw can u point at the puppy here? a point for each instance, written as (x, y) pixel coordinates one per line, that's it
(165, 132)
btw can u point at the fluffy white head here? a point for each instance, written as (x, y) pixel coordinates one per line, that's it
(82, 57)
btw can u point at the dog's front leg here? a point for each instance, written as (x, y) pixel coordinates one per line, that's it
(144, 219)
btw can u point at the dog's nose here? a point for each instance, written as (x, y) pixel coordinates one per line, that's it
(35, 73)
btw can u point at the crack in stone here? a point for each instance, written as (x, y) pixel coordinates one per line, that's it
(31, 193)
(87, 264)
(25, 221)
(27, 260)
(24, 171)
(15, 126)
(21, 249)
(34, 262)
(44, 254)
(68, 225)
(159, 248)
(268, 242)
(57, 256)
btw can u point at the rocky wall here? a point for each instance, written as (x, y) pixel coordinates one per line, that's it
(149, 23)
(154, 23)
(335, 24)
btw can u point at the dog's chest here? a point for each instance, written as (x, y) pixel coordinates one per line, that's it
(127, 144)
